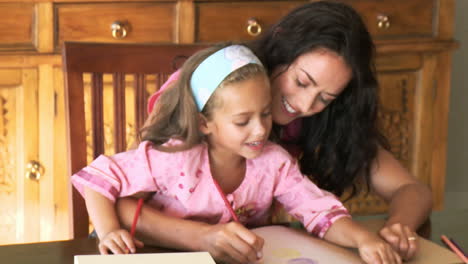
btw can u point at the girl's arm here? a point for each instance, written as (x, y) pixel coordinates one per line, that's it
(231, 243)
(104, 218)
(101, 211)
(372, 249)
(409, 200)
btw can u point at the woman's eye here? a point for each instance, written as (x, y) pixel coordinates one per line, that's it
(266, 114)
(324, 101)
(298, 83)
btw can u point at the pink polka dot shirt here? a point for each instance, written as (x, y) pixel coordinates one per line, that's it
(184, 187)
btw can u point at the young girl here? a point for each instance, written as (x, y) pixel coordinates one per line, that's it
(210, 139)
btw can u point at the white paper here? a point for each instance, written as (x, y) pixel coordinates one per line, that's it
(151, 258)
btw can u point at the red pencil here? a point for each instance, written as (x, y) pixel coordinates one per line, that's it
(135, 217)
(226, 202)
(454, 249)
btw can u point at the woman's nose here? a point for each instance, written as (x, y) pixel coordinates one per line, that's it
(305, 102)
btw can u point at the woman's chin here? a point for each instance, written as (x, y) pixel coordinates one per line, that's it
(283, 119)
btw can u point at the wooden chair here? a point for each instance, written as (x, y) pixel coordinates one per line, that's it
(144, 63)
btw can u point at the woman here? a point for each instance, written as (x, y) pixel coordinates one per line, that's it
(320, 59)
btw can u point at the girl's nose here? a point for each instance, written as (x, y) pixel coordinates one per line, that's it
(261, 128)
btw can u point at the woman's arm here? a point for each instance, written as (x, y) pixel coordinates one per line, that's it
(231, 243)
(410, 202)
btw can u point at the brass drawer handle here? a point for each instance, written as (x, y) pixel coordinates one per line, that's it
(119, 30)
(383, 21)
(253, 27)
(34, 170)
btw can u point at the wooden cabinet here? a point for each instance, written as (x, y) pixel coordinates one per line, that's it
(115, 22)
(33, 191)
(19, 140)
(413, 40)
(237, 20)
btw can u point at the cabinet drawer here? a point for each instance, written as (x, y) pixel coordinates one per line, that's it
(140, 22)
(397, 18)
(230, 20)
(17, 26)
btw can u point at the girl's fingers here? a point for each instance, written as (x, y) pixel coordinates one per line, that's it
(120, 244)
(138, 243)
(372, 258)
(253, 242)
(128, 242)
(392, 256)
(383, 256)
(103, 250)
(226, 253)
(114, 248)
(246, 250)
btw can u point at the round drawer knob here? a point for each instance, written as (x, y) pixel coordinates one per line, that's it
(34, 170)
(253, 27)
(119, 30)
(383, 21)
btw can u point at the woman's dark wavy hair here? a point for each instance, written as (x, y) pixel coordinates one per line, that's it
(340, 143)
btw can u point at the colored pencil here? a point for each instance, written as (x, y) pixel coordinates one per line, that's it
(226, 202)
(454, 249)
(458, 246)
(135, 217)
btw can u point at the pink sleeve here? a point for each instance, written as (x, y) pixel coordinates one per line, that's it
(317, 209)
(154, 97)
(120, 175)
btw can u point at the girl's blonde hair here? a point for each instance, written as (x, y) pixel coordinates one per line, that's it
(177, 115)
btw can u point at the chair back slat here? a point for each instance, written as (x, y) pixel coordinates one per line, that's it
(146, 63)
(119, 112)
(97, 114)
(140, 102)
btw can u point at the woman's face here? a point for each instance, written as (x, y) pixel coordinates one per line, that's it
(310, 83)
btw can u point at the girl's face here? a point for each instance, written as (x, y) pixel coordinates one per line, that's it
(310, 83)
(242, 122)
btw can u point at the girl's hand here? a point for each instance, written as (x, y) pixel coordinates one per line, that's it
(402, 239)
(374, 250)
(118, 242)
(232, 243)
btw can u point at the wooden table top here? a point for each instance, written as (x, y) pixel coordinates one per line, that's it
(57, 252)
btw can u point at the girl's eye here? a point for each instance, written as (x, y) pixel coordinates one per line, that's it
(241, 124)
(266, 114)
(298, 83)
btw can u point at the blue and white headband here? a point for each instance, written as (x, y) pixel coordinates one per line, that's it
(214, 69)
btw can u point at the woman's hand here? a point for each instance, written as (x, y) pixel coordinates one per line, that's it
(374, 250)
(401, 238)
(232, 243)
(118, 242)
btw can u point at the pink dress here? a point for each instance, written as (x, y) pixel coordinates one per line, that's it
(184, 187)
